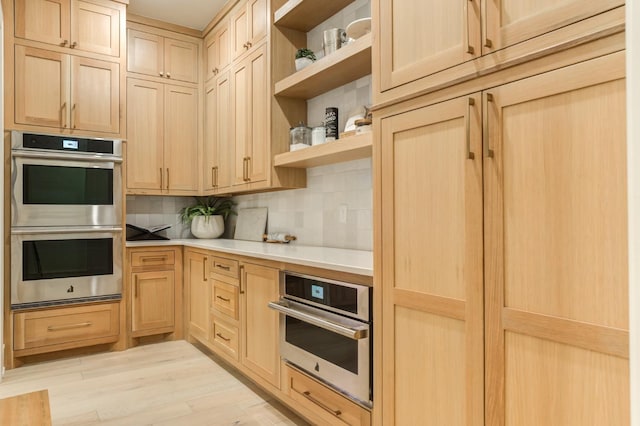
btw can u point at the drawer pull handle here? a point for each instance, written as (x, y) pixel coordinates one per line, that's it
(68, 326)
(224, 299)
(225, 268)
(153, 259)
(222, 337)
(320, 404)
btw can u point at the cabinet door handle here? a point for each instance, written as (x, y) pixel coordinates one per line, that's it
(471, 102)
(64, 43)
(204, 269)
(161, 179)
(320, 404)
(135, 287)
(168, 75)
(488, 152)
(470, 49)
(167, 178)
(216, 177)
(153, 259)
(224, 299)
(68, 326)
(73, 116)
(222, 337)
(161, 74)
(226, 268)
(249, 44)
(74, 44)
(63, 116)
(242, 279)
(213, 177)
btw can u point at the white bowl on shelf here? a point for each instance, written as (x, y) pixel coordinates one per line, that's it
(358, 28)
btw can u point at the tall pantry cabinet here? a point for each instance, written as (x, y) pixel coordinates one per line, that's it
(501, 238)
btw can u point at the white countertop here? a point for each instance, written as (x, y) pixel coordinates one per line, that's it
(344, 260)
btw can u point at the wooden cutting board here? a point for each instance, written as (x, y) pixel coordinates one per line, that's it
(251, 224)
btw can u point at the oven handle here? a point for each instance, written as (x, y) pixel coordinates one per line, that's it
(61, 230)
(352, 333)
(66, 156)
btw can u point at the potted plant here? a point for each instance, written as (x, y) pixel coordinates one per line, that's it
(304, 57)
(207, 216)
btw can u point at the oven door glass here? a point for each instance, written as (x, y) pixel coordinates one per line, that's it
(334, 348)
(48, 259)
(66, 185)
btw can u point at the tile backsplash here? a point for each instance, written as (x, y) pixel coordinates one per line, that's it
(334, 210)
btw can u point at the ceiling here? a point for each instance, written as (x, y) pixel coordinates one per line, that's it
(188, 13)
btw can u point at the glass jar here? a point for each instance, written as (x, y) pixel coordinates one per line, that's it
(299, 137)
(318, 135)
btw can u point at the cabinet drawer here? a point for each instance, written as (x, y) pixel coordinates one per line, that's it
(225, 337)
(332, 407)
(225, 299)
(153, 258)
(226, 267)
(68, 326)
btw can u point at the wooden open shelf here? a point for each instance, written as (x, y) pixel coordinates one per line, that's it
(341, 67)
(345, 149)
(303, 15)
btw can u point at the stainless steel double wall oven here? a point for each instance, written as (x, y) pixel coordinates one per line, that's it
(66, 219)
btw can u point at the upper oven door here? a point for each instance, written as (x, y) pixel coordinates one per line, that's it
(63, 189)
(53, 264)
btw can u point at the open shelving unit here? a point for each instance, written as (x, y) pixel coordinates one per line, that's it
(345, 149)
(342, 66)
(303, 15)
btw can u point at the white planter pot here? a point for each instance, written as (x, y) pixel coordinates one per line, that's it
(302, 62)
(207, 226)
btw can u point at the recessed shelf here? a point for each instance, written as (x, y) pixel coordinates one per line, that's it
(348, 63)
(345, 149)
(303, 15)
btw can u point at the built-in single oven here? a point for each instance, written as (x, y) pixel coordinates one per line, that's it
(52, 266)
(65, 181)
(325, 329)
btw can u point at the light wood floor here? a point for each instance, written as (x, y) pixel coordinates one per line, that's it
(170, 383)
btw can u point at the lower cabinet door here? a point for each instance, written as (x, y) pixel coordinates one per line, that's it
(224, 337)
(49, 330)
(152, 310)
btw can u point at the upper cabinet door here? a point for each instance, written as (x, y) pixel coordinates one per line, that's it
(218, 51)
(95, 27)
(511, 21)
(257, 21)
(180, 60)
(258, 127)
(95, 95)
(47, 21)
(211, 66)
(41, 87)
(145, 53)
(419, 38)
(239, 24)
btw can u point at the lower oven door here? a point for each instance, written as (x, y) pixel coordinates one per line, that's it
(335, 349)
(63, 265)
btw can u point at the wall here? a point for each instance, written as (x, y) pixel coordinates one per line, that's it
(155, 210)
(334, 210)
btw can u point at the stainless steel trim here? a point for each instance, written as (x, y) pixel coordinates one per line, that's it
(17, 143)
(318, 319)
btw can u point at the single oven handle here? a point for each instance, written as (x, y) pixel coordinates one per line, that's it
(352, 333)
(66, 156)
(62, 230)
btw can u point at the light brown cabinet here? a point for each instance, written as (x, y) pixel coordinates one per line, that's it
(198, 294)
(225, 307)
(157, 56)
(510, 299)
(419, 38)
(218, 149)
(249, 25)
(66, 92)
(249, 106)
(218, 51)
(162, 143)
(83, 25)
(260, 325)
